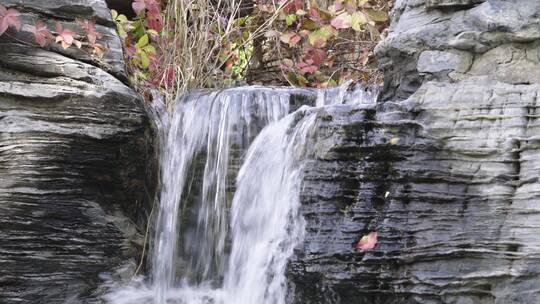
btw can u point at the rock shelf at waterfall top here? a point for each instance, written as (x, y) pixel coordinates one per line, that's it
(260, 195)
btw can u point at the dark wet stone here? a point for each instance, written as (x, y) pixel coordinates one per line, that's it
(75, 144)
(454, 196)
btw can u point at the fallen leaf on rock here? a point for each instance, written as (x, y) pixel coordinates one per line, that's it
(367, 242)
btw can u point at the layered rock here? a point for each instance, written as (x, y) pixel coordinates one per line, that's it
(74, 146)
(444, 168)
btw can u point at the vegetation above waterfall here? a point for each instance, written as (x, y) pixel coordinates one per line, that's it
(178, 45)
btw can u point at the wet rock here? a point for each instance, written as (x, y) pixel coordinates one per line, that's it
(75, 142)
(66, 12)
(444, 168)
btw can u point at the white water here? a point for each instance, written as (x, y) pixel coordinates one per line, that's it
(238, 257)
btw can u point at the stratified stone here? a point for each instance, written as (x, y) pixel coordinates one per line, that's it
(437, 61)
(451, 3)
(76, 160)
(475, 29)
(444, 169)
(74, 189)
(66, 12)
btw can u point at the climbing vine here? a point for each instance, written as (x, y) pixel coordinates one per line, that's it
(314, 43)
(65, 37)
(324, 46)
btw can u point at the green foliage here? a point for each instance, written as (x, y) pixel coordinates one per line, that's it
(312, 38)
(141, 39)
(216, 49)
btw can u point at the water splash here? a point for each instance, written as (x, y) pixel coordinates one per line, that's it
(194, 230)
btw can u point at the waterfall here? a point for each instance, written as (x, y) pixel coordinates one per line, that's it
(209, 247)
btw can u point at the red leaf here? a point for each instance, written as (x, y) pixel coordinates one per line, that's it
(294, 40)
(9, 18)
(89, 27)
(138, 6)
(292, 5)
(131, 50)
(65, 37)
(367, 242)
(155, 19)
(41, 33)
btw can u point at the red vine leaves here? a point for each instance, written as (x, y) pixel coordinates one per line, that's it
(66, 37)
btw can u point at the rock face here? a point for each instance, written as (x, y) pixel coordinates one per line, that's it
(444, 168)
(74, 148)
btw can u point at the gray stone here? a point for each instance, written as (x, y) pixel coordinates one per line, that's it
(451, 3)
(455, 199)
(74, 189)
(475, 29)
(65, 12)
(76, 157)
(437, 61)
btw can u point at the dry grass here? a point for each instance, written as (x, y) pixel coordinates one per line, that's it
(199, 31)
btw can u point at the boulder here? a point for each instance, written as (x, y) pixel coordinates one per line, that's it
(76, 146)
(443, 168)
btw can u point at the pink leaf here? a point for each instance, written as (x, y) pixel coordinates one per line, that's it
(154, 18)
(9, 18)
(138, 6)
(41, 33)
(77, 43)
(131, 50)
(367, 242)
(336, 7)
(3, 27)
(65, 36)
(294, 40)
(98, 50)
(89, 27)
(68, 36)
(342, 21)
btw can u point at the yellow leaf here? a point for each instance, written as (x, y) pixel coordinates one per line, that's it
(320, 36)
(145, 61)
(149, 49)
(358, 19)
(377, 16)
(308, 24)
(143, 41)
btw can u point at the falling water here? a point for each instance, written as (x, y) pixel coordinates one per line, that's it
(229, 251)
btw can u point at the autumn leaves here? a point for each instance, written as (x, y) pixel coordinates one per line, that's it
(326, 46)
(10, 18)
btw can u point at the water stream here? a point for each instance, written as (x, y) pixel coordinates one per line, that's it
(216, 239)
